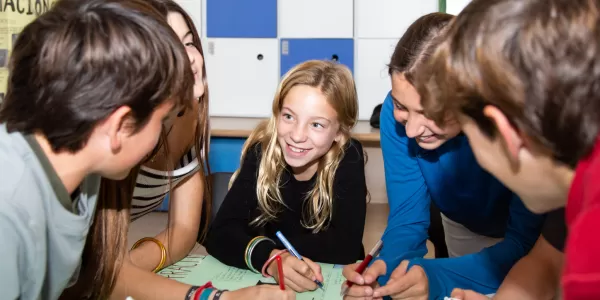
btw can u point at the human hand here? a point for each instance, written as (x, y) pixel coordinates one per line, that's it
(265, 291)
(461, 294)
(363, 285)
(405, 284)
(300, 275)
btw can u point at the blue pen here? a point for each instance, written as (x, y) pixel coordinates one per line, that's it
(293, 251)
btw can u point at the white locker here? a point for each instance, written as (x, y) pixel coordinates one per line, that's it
(242, 76)
(194, 9)
(315, 18)
(389, 18)
(454, 7)
(371, 75)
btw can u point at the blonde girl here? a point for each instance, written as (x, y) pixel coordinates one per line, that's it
(302, 174)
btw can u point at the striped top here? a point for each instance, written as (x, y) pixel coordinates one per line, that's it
(152, 185)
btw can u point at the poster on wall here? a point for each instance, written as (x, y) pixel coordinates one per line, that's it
(14, 15)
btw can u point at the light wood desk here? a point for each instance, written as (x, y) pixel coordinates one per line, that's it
(242, 127)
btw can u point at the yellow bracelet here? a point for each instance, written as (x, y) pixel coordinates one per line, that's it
(163, 251)
(247, 255)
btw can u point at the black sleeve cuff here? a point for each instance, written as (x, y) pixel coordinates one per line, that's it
(555, 229)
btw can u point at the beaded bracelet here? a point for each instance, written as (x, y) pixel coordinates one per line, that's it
(163, 251)
(191, 292)
(266, 265)
(250, 248)
(195, 291)
(206, 293)
(218, 294)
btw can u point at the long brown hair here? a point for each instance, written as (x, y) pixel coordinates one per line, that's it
(417, 44)
(202, 130)
(156, 67)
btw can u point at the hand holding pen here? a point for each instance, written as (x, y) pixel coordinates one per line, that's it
(354, 273)
(301, 274)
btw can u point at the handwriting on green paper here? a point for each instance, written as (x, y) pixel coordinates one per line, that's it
(197, 270)
(183, 268)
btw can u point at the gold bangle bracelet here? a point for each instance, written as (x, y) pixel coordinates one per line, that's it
(163, 251)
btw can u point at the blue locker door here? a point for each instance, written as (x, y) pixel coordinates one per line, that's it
(295, 51)
(224, 155)
(241, 18)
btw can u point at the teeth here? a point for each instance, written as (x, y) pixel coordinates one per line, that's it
(297, 150)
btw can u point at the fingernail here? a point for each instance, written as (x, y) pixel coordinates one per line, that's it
(376, 294)
(368, 291)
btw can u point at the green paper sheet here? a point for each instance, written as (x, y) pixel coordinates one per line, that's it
(198, 269)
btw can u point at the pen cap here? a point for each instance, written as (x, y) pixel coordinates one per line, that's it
(287, 244)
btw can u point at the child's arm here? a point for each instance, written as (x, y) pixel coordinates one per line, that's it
(535, 276)
(185, 213)
(230, 232)
(484, 271)
(406, 233)
(147, 285)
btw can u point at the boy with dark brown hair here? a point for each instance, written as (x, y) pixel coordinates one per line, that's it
(523, 77)
(90, 84)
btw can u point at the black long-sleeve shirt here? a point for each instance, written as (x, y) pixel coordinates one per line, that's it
(340, 243)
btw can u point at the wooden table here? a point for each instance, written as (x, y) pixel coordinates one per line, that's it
(242, 127)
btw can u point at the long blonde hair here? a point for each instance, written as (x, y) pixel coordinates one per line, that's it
(337, 85)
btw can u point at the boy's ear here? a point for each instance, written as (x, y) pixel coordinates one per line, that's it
(118, 126)
(508, 133)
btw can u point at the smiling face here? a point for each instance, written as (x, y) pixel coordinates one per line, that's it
(408, 111)
(307, 126)
(181, 28)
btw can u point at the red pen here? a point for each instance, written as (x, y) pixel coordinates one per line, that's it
(363, 265)
(280, 271)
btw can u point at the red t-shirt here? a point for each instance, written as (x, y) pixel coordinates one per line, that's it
(581, 274)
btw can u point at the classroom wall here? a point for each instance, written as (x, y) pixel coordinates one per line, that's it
(249, 44)
(455, 6)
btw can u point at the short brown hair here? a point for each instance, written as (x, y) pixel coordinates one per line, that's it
(417, 44)
(538, 61)
(77, 63)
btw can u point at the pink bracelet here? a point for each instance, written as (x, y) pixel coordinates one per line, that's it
(264, 268)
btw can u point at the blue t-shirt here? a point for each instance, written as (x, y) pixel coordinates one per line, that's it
(465, 193)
